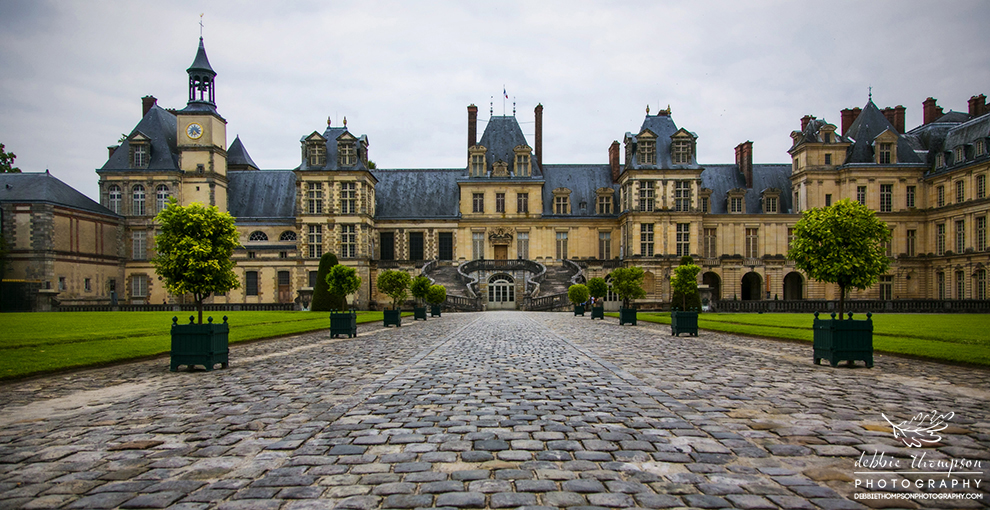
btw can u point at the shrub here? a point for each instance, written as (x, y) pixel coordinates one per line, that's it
(394, 284)
(343, 281)
(419, 287)
(627, 282)
(685, 285)
(577, 293)
(597, 287)
(436, 295)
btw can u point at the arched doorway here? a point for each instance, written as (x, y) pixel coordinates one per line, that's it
(501, 292)
(793, 286)
(751, 284)
(714, 284)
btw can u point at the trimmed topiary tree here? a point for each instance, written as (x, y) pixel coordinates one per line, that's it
(394, 284)
(343, 281)
(418, 288)
(597, 288)
(684, 283)
(323, 300)
(627, 283)
(577, 293)
(436, 295)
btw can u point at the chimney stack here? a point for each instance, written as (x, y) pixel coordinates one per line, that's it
(539, 134)
(895, 115)
(932, 111)
(111, 149)
(744, 160)
(805, 121)
(613, 160)
(472, 125)
(849, 115)
(978, 106)
(147, 103)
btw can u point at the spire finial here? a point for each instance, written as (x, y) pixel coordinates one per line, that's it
(647, 109)
(491, 107)
(513, 106)
(345, 120)
(201, 24)
(328, 121)
(871, 92)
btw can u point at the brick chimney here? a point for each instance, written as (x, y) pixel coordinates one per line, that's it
(849, 115)
(111, 149)
(744, 160)
(538, 138)
(978, 106)
(147, 103)
(895, 115)
(613, 160)
(472, 125)
(805, 121)
(932, 111)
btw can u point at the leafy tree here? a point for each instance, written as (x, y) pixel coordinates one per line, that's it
(343, 281)
(323, 300)
(419, 287)
(194, 251)
(436, 295)
(577, 293)
(3, 265)
(841, 244)
(394, 283)
(627, 282)
(7, 162)
(597, 288)
(685, 284)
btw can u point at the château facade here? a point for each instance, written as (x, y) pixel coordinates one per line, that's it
(647, 204)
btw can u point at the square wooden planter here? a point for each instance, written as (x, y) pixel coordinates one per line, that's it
(627, 316)
(843, 340)
(419, 312)
(343, 323)
(199, 344)
(435, 310)
(579, 310)
(683, 322)
(393, 317)
(597, 312)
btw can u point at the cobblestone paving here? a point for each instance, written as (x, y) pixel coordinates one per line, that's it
(493, 410)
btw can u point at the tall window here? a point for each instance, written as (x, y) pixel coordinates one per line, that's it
(522, 245)
(681, 152)
(910, 196)
(140, 152)
(736, 205)
(940, 196)
(828, 159)
(647, 152)
(477, 165)
(861, 194)
(940, 239)
(797, 201)
(113, 198)
(604, 204)
(886, 197)
(604, 245)
(828, 199)
(980, 149)
(960, 191)
(886, 287)
(500, 202)
(911, 240)
(317, 154)
(981, 233)
(682, 195)
(960, 236)
(139, 245)
(137, 206)
(980, 289)
(251, 283)
(561, 245)
(885, 153)
(647, 195)
(940, 285)
(139, 286)
(346, 155)
(560, 203)
(770, 204)
(348, 241)
(445, 244)
(315, 241)
(522, 202)
(711, 243)
(478, 245)
(161, 197)
(683, 239)
(960, 285)
(752, 242)
(416, 246)
(348, 198)
(646, 239)
(959, 155)
(314, 197)
(478, 202)
(703, 205)
(387, 248)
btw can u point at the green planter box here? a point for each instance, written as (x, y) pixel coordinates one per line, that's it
(579, 310)
(419, 312)
(435, 310)
(627, 316)
(199, 344)
(838, 340)
(683, 322)
(393, 317)
(343, 323)
(597, 312)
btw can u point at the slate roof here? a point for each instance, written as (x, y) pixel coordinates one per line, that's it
(417, 193)
(261, 194)
(583, 181)
(201, 63)
(237, 155)
(502, 135)
(870, 123)
(722, 178)
(331, 134)
(42, 187)
(160, 127)
(664, 127)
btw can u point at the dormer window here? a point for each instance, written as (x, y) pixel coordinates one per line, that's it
(682, 147)
(939, 160)
(346, 154)
(522, 166)
(737, 204)
(960, 155)
(316, 154)
(476, 157)
(885, 148)
(140, 151)
(648, 152)
(771, 201)
(561, 201)
(605, 200)
(981, 148)
(884, 155)
(704, 200)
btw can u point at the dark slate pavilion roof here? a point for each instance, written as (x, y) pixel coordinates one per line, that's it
(238, 155)
(583, 181)
(502, 135)
(722, 178)
(417, 193)
(262, 194)
(663, 126)
(870, 123)
(42, 187)
(332, 134)
(201, 63)
(160, 127)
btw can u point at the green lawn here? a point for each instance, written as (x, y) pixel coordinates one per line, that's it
(32, 343)
(961, 338)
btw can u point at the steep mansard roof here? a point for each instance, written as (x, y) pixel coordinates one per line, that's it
(723, 178)
(262, 194)
(237, 155)
(418, 193)
(502, 135)
(42, 187)
(159, 126)
(663, 127)
(583, 181)
(864, 130)
(332, 134)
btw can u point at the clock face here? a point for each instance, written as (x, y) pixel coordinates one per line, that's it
(194, 131)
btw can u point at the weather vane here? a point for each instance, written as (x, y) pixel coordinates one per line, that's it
(201, 24)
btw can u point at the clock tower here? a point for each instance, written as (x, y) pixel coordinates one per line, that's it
(201, 138)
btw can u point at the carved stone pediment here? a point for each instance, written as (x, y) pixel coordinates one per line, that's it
(500, 169)
(500, 235)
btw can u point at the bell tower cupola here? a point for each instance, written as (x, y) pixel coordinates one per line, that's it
(201, 80)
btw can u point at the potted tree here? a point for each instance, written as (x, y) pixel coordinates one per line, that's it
(685, 286)
(435, 297)
(578, 295)
(627, 283)
(597, 289)
(394, 283)
(194, 248)
(343, 281)
(842, 244)
(419, 287)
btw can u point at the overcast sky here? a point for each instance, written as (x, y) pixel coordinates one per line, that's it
(72, 74)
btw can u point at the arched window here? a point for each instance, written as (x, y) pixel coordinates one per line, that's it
(161, 196)
(288, 235)
(137, 208)
(258, 235)
(113, 198)
(501, 289)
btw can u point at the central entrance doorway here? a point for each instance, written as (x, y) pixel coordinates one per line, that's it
(501, 252)
(501, 292)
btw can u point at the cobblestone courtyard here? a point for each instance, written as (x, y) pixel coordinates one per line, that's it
(489, 410)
